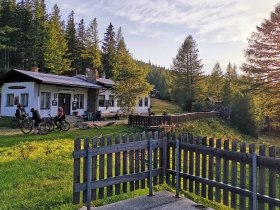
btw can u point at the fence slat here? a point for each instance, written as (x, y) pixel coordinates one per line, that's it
(143, 161)
(262, 152)
(218, 172)
(161, 157)
(226, 174)
(185, 162)
(109, 167)
(204, 165)
(272, 178)
(117, 166)
(191, 164)
(77, 171)
(155, 159)
(168, 150)
(131, 162)
(173, 177)
(86, 146)
(251, 150)
(234, 176)
(197, 167)
(101, 167)
(94, 168)
(125, 140)
(137, 162)
(210, 170)
(242, 177)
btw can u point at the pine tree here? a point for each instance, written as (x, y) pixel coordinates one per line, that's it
(81, 35)
(109, 51)
(263, 64)
(186, 74)
(92, 53)
(72, 42)
(56, 46)
(130, 80)
(215, 82)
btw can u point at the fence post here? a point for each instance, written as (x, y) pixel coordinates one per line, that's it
(254, 169)
(88, 179)
(150, 168)
(177, 168)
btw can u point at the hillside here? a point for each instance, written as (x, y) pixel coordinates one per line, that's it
(163, 105)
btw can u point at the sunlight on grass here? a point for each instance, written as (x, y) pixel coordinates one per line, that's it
(162, 105)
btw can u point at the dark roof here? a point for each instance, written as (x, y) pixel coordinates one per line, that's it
(105, 82)
(47, 79)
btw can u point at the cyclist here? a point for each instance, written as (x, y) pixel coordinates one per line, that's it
(59, 117)
(19, 114)
(36, 117)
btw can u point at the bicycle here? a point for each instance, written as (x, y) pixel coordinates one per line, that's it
(17, 123)
(43, 128)
(64, 125)
(79, 123)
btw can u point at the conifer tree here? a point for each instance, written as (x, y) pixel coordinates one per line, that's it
(56, 45)
(109, 51)
(263, 64)
(81, 35)
(92, 53)
(130, 80)
(215, 82)
(186, 74)
(72, 42)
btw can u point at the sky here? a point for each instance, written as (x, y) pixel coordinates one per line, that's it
(155, 29)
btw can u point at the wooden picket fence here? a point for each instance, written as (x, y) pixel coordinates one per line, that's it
(148, 121)
(213, 169)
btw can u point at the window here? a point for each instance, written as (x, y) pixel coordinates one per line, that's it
(140, 102)
(80, 100)
(24, 99)
(111, 101)
(45, 100)
(10, 100)
(146, 101)
(119, 103)
(101, 100)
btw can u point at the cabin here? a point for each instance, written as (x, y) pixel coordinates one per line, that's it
(46, 92)
(78, 95)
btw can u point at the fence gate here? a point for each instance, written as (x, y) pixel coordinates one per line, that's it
(214, 169)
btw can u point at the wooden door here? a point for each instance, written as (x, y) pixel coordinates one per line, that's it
(64, 102)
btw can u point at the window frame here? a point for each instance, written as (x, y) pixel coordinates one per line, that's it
(47, 104)
(80, 99)
(101, 100)
(111, 101)
(9, 102)
(140, 102)
(22, 97)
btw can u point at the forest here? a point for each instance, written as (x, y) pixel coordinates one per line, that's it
(30, 37)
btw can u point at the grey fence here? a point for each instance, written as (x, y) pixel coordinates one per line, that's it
(214, 169)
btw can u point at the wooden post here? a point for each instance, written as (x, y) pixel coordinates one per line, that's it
(226, 174)
(262, 151)
(197, 167)
(109, 167)
(234, 176)
(210, 170)
(173, 159)
(131, 163)
(191, 164)
(161, 159)
(251, 174)
(85, 178)
(94, 168)
(117, 166)
(185, 163)
(77, 171)
(124, 140)
(272, 178)
(155, 162)
(218, 171)
(101, 168)
(243, 177)
(137, 162)
(143, 161)
(204, 165)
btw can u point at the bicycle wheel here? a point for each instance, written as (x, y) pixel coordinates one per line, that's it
(26, 127)
(14, 123)
(44, 128)
(65, 126)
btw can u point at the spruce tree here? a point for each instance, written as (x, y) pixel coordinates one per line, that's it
(263, 64)
(56, 45)
(186, 74)
(215, 82)
(92, 53)
(81, 35)
(109, 51)
(72, 42)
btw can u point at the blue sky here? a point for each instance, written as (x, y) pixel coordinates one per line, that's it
(155, 29)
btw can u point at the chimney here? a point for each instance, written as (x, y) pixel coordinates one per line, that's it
(96, 74)
(91, 75)
(35, 69)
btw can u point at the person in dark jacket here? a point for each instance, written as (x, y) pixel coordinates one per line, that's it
(36, 117)
(18, 113)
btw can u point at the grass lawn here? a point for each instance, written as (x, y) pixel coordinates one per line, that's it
(37, 170)
(162, 105)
